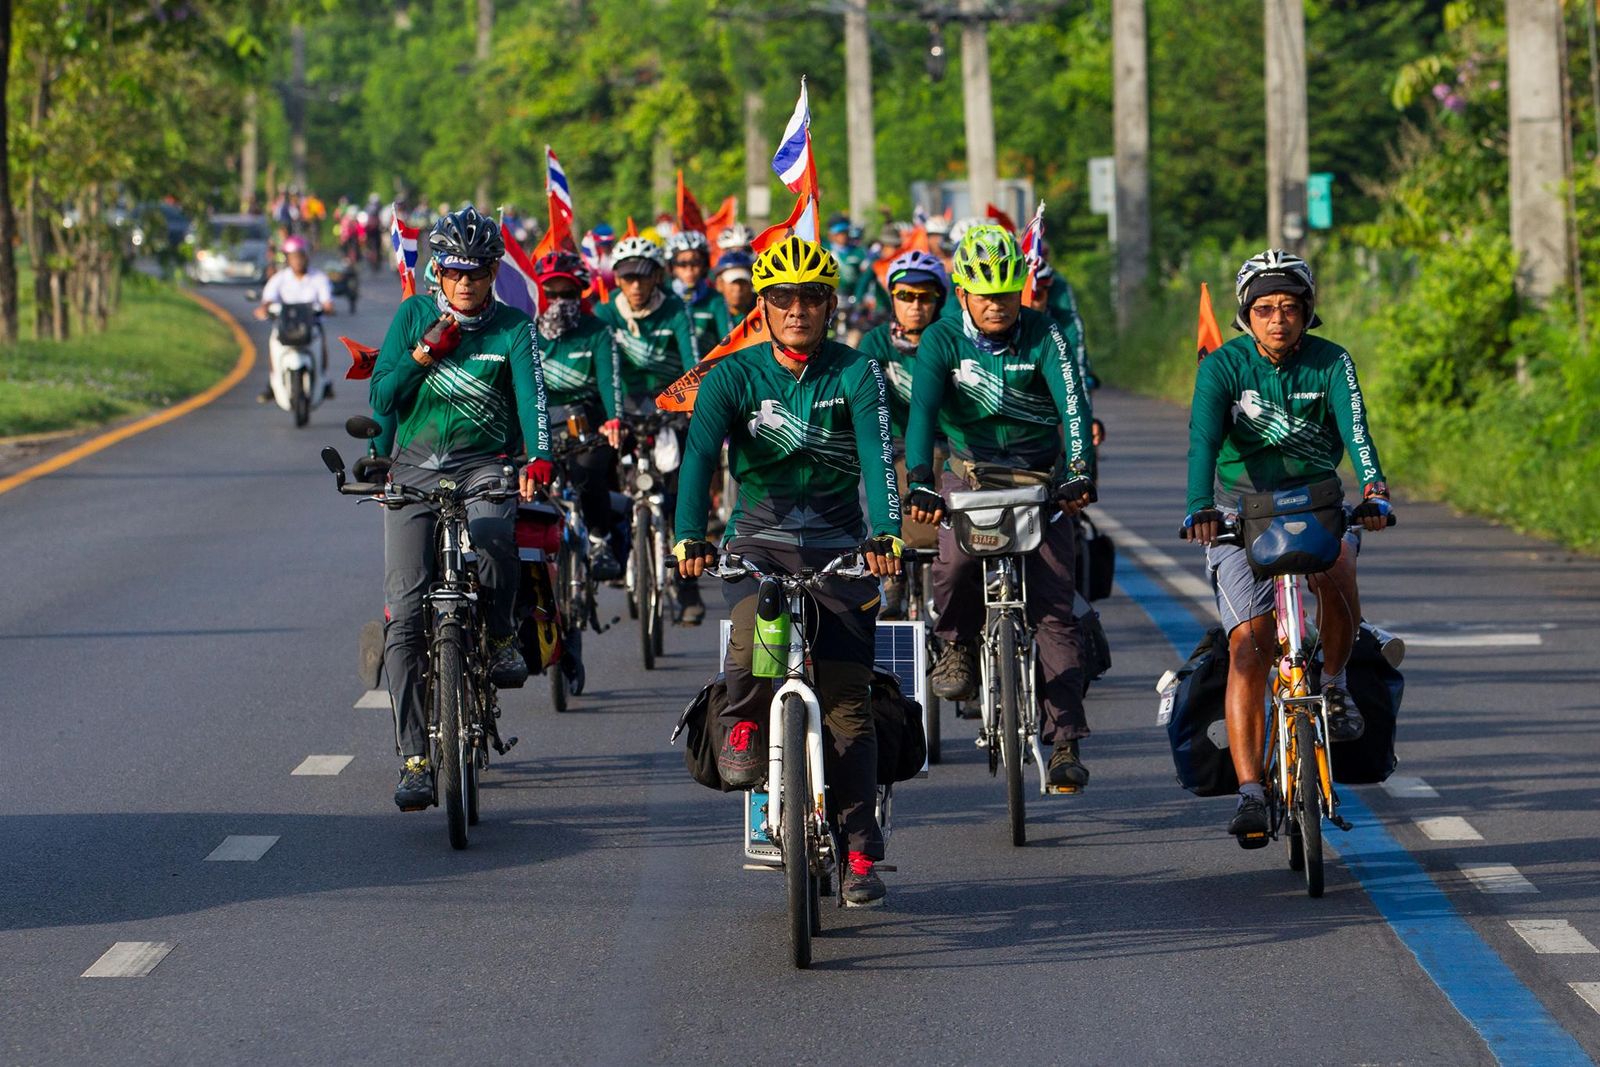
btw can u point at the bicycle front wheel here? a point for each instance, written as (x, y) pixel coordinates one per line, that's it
(1009, 665)
(450, 687)
(796, 850)
(646, 596)
(1308, 807)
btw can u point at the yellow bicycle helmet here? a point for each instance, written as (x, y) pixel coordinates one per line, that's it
(988, 262)
(793, 261)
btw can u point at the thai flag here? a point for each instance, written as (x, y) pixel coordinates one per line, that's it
(793, 159)
(514, 285)
(404, 239)
(556, 187)
(1033, 237)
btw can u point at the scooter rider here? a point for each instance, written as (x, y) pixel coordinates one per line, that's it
(460, 373)
(297, 283)
(1002, 384)
(808, 429)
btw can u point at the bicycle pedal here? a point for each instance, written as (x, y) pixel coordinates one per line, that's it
(1341, 823)
(868, 904)
(1063, 790)
(1253, 841)
(503, 747)
(884, 867)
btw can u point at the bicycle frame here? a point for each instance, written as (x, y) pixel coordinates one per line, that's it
(1005, 594)
(795, 683)
(1290, 697)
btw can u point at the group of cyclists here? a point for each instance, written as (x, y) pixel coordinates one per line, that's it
(837, 447)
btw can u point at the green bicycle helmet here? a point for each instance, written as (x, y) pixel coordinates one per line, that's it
(988, 262)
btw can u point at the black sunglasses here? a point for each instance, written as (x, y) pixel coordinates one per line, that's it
(811, 294)
(687, 261)
(476, 275)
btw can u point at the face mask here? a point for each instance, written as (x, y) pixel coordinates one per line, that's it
(559, 316)
(468, 321)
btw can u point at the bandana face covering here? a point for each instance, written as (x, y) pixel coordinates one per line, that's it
(983, 341)
(559, 316)
(901, 341)
(469, 321)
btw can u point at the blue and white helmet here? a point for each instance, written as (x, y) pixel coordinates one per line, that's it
(1275, 271)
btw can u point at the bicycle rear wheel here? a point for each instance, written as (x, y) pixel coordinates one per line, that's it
(1307, 802)
(796, 851)
(1010, 726)
(450, 694)
(645, 595)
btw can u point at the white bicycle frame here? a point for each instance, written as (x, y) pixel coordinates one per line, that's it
(995, 585)
(797, 686)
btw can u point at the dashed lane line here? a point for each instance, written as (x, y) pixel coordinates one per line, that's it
(1553, 937)
(374, 698)
(1497, 878)
(242, 848)
(1448, 828)
(322, 765)
(129, 959)
(1403, 788)
(1589, 991)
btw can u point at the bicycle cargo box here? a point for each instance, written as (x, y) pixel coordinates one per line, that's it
(998, 522)
(296, 323)
(1376, 688)
(1198, 729)
(538, 531)
(1293, 531)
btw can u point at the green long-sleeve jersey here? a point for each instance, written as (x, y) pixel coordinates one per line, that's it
(800, 448)
(1255, 427)
(659, 353)
(897, 367)
(709, 313)
(483, 399)
(1011, 407)
(580, 366)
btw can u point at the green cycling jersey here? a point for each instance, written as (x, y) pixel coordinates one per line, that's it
(898, 367)
(801, 449)
(1255, 427)
(580, 367)
(654, 349)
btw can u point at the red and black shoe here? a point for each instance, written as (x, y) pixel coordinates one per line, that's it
(741, 763)
(862, 887)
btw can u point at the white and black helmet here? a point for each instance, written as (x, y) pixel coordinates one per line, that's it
(688, 241)
(637, 248)
(466, 239)
(1275, 271)
(736, 236)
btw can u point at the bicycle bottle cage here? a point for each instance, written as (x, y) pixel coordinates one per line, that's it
(1293, 531)
(998, 522)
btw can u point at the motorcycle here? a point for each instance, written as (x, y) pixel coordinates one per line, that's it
(298, 350)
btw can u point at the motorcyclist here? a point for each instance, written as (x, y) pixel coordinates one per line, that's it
(1002, 384)
(297, 283)
(460, 374)
(808, 428)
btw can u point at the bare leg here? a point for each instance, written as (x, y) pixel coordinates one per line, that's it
(1251, 649)
(1339, 610)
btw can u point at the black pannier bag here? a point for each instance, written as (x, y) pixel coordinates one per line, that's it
(700, 749)
(1198, 729)
(902, 745)
(1092, 640)
(1100, 561)
(1293, 531)
(1377, 689)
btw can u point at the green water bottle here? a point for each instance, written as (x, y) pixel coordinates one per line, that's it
(771, 649)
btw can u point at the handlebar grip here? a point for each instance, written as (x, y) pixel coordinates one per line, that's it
(360, 489)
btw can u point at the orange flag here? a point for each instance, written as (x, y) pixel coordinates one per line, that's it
(721, 219)
(362, 359)
(1210, 338)
(632, 230)
(1000, 218)
(915, 240)
(680, 395)
(689, 214)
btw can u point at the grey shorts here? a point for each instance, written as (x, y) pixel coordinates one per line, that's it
(1241, 596)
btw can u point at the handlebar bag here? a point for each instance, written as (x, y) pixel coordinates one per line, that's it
(998, 522)
(1293, 531)
(1198, 729)
(295, 325)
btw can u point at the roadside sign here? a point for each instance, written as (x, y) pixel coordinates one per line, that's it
(1319, 201)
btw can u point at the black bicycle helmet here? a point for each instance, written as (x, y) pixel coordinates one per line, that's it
(466, 239)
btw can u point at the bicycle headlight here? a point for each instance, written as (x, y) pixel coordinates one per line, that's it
(644, 481)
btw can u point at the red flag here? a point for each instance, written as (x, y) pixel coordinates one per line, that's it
(681, 394)
(1001, 218)
(914, 240)
(1210, 337)
(689, 216)
(362, 360)
(558, 236)
(723, 217)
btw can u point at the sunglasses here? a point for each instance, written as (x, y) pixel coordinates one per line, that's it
(912, 296)
(455, 275)
(810, 294)
(1290, 309)
(690, 261)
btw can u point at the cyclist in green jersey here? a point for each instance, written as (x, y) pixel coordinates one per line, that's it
(690, 259)
(732, 279)
(808, 430)
(655, 338)
(1277, 408)
(459, 375)
(1003, 386)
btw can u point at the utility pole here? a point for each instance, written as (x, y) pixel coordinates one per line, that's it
(1539, 233)
(250, 152)
(1131, 119)
(297, 104)
(757, 163)
(1288, 160)
(480, 56)
(858, 115)
(981, 171)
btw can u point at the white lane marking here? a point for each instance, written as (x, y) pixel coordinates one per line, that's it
(1589, 991)
(374, 698)
(129, 959)
(322, 765)
(1497, 878)
(1402, 788)
(1175, 574)
(243, 848)
(1506, 640)
(1552, 937)
(1448, 828)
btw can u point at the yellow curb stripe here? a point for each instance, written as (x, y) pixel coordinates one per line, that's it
(247, 359)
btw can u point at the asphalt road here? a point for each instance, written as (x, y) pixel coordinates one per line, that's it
(177, 634)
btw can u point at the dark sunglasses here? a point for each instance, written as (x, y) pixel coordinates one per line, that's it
(912, 296)
(689, 261)
(811, 294)
(455, 275)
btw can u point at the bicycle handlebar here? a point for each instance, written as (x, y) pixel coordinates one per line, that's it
(396, 495)
(1230, 524)
(732, 568)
